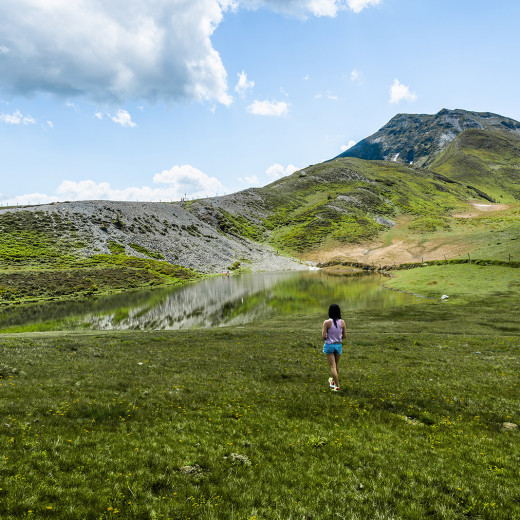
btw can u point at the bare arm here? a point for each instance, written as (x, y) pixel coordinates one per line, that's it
(344, 329)
(325, 328)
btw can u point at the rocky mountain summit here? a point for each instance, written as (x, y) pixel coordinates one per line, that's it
(419, 138)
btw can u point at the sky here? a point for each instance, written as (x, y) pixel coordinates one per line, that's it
(160, 100)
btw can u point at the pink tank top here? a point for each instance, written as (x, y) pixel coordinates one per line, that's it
(334, 333)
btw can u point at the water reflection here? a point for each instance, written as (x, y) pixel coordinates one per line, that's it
(233, 300)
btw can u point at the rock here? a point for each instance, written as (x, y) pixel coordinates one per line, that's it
(241, 459)
(195, 469)
(510, 426)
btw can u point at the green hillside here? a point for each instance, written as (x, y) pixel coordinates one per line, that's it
(349, 200)
(486, 159)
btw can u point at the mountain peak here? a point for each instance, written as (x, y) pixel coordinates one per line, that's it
(418, 138)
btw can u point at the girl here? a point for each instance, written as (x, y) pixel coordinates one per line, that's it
(333, 332)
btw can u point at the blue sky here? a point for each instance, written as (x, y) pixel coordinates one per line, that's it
(157, 100)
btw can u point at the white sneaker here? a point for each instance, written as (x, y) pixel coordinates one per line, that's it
(331, 383)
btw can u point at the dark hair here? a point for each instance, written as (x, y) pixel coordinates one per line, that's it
(334, 313)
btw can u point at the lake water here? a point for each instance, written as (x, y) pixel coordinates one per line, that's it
(219, 301)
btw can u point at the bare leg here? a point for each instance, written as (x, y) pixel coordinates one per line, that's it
(333, 367)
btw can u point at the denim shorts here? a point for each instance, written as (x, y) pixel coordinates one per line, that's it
(332, 348)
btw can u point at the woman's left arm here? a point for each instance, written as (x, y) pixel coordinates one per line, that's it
(344, 329)
(324, 330)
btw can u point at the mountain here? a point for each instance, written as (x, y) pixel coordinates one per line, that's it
(419, 138)
(436, 207)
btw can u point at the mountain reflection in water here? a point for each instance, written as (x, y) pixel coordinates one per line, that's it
(219, 301)
(237, 300)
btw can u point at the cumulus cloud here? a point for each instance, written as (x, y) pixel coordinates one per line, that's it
(304, 8)
(175, 183)
(17, 118)
(122, 118)
(27, 199)
(250, 181)
(398, 92)
(113, 51)
(276, 171)
(243, 84)
(268, 108)
(358, 5)
(127, 49)
(350, 144)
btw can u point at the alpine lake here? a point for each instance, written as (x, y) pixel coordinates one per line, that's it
(214, 302)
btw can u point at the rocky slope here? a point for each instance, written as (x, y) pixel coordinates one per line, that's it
(150, 229)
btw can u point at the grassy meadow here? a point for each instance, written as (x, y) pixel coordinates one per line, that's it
(239, 423)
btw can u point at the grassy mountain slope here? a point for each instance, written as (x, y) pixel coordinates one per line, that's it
(342, 202)
(488, 160)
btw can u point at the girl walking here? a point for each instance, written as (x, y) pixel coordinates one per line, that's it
(333, 332)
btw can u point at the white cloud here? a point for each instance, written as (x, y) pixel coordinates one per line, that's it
(122, 118)
(17, 118)
(304, 8)
(74, 106)
(398, 92)
(243, 85)
(268, 108)
(177, 182)
(113, 51)
(27, 199)
(328, 95)
(276, 171)
(356, 76)
(189, 180)
(127, 49)
(358, 5)
(50, 124)
(350, 144)
(250, 181)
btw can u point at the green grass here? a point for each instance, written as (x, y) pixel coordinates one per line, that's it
(462, 281)
(339, 203)
(147, 252)
(485, 159)
(238, 423)
(41, 259)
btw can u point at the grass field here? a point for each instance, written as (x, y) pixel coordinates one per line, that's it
(238, 423)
